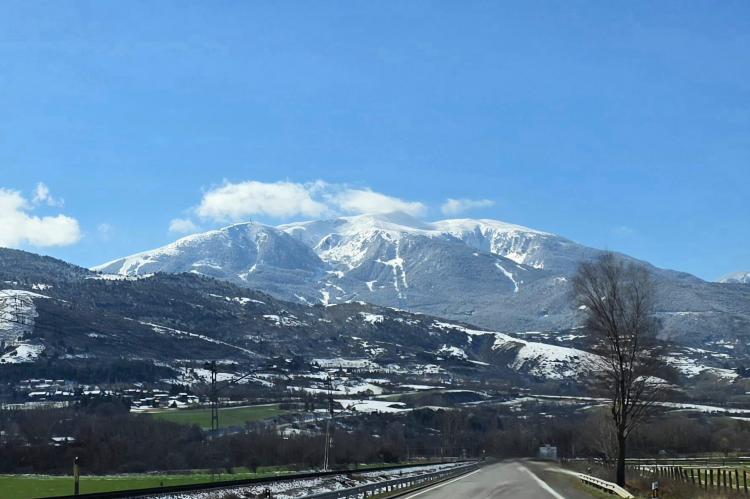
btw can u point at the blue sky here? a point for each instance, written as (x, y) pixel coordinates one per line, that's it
(623, 126)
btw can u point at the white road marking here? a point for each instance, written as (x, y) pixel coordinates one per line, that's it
(442, 485)
(541, 482)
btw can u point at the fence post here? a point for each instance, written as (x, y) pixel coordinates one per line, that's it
(744, 478)
(711, 477)
(737, 478)
(692, 475)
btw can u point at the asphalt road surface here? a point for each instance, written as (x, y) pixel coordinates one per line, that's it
(506, 480)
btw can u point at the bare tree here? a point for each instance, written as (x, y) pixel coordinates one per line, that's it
(617, 298)
(600, 436)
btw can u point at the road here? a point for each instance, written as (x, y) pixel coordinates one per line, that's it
(506, 480)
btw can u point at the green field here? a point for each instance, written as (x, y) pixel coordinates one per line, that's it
(33, 486)
(38, 486)
(228, 416)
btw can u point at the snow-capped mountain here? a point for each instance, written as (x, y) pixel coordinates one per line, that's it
(75, 315)
(247, 254)
(484, 272)
(736, 278)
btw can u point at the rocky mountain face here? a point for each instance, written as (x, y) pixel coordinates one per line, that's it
(67, 321)
(483, 272)
(72, 315)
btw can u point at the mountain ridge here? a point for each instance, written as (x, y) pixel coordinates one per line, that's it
(736, 278)
(488, 273)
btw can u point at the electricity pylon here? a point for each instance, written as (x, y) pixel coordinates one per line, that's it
(328, 440)
(214, 393)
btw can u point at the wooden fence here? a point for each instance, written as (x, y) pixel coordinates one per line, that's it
(716, 477)
(727, 478)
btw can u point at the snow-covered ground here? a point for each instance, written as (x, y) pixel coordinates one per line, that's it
(679, 406)
(296, 488)
(538, 359)
(370, 406)
(17, 314)
(691, 367)
(339, 363)
(22, 352)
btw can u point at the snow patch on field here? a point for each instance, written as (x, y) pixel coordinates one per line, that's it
(23, 352)
(291, 488)
(339, 363)
(419, 388)
(372, 406)
(691, 368)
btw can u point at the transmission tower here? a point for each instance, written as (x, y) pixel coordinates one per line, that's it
(328, 440)
(213, 397)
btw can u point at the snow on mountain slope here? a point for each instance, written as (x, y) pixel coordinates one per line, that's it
(345, 240)
(537, 249)
(249, 254)
(736, 278)
(17, 314)
(379, 248)
(540, 360)
(486, 272)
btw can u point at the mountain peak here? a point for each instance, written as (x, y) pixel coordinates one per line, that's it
(455, 225)
(736, 278)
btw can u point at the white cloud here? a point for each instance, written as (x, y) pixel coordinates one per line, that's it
(368, 201)
(183, 226)
(284, 200)
(43, 195)
(244, 199)
(456, 206)
(19, 227)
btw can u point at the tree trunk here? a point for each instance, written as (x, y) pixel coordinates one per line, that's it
(620, 460)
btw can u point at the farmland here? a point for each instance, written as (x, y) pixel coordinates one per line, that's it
(228, 416)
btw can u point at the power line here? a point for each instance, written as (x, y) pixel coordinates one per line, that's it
(215, 389)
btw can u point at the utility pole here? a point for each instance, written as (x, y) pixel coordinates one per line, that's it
(328, 440)
(213, 398)
(214, 393)
(76, 477)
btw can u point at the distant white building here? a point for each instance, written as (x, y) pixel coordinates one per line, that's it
(548, 452)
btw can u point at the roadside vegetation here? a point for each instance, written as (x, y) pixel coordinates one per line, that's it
(37, 486)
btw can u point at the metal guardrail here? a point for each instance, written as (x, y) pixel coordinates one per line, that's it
(395, 485)
(226, 484)
(605, 485)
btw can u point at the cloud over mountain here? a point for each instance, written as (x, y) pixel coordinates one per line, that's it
(18, 226)
(238, 201)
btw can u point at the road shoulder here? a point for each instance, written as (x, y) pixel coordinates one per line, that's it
(564, 483)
